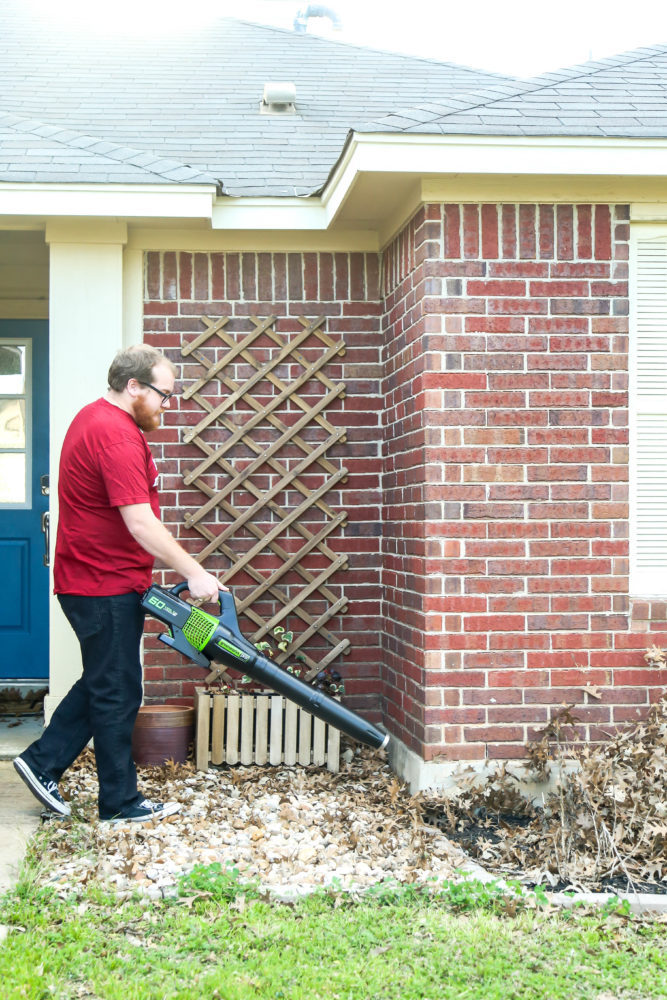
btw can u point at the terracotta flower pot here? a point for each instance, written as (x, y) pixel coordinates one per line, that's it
(162, 733)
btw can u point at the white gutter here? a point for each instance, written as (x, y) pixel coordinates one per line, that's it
(125, 201)
(270, 214)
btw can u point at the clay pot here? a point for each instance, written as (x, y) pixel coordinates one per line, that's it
(162, 733)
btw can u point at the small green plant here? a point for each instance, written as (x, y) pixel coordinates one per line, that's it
(283, 640)
(615, 907)
(473, 894)
(390, 893)
(463, 896)
(290, 660)
(327, 680)
(216, 882)
(541, 897)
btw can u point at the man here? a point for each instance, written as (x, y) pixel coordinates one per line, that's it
(109, 534)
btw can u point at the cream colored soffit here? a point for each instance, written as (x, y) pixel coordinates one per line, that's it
(191, 239)
(650, 212)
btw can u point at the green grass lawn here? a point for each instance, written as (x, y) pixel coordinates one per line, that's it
(214, 941)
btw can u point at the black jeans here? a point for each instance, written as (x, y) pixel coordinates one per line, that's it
(103, 703)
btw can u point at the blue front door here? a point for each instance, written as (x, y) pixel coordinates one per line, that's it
(24, 461)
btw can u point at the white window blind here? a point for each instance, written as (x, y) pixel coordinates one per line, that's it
(648, 414)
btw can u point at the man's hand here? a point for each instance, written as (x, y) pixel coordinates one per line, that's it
(203, 586)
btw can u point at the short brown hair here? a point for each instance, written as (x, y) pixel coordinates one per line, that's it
(136, 362)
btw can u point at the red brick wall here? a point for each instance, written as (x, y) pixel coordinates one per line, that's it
(487, 447)
(407, 512)
(182, 287)
(506, 425)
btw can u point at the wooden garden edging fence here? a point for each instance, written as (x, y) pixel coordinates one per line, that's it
(260, 729)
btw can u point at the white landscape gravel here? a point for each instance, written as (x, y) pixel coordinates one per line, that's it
(291, 828)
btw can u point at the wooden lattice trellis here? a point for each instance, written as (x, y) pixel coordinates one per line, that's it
(253, 435)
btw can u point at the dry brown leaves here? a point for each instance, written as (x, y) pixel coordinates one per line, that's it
(291, 828)
(606, 819)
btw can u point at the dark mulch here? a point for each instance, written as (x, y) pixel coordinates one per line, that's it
(495, 828)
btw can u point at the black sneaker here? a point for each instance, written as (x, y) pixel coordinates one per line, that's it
(42, 787)
(144, 811)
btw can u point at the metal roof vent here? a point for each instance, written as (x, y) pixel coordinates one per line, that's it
(279, 99)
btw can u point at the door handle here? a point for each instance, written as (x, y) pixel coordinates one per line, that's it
(46, 522)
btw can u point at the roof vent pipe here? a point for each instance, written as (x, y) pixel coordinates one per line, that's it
(315, 11)
(279, 98)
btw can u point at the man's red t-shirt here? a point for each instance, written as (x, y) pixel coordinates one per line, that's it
(105, 464)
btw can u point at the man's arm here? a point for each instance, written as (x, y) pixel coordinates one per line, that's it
(151, 534)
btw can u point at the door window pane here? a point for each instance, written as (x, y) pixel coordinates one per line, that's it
(15, 423)
(12, 477)
(12, 423)
(12, 368)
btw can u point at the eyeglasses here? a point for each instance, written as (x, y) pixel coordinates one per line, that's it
(166, 396)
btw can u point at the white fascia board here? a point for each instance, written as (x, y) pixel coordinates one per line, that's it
(127, 201)
(408, 154)
(471, 154)
(269, 214)
(435, 154)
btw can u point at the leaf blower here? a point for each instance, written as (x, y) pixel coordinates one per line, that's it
(204, 638)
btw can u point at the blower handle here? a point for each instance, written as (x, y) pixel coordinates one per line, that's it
(180, 587)
(227, 607)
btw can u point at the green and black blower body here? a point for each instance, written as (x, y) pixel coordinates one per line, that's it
(204, 638)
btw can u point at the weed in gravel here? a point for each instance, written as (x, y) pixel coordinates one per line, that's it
(217, 882)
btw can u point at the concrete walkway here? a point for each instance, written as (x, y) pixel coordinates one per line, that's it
(19, 810)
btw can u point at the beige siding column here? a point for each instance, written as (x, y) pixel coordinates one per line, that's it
(87, 310)
(133, 296)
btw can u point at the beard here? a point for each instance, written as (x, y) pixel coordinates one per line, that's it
(145, 417)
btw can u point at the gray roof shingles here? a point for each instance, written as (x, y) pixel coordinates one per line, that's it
(28, 149)
(193, 99)
(622, 96)
(185, 108)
